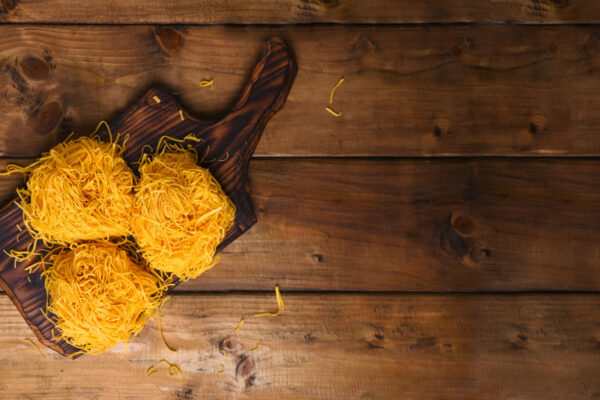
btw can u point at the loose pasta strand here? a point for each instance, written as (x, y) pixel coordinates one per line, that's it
(31, 342)
(160, 327)
(280, 305)
(239, 325)
(337, 85)
(334, 113)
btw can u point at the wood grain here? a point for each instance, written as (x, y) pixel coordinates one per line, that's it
(418, 225)
(299, 11)
(351, 346)
(415, 225)
(408, 91)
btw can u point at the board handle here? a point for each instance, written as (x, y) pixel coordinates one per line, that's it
(263, 96)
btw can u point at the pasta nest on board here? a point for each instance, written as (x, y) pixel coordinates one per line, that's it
(80, 190)
(99, 296)
(180, 214)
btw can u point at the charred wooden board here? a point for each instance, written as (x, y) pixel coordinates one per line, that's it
(227, 147)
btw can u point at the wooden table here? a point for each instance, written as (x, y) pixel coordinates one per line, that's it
(439, 240)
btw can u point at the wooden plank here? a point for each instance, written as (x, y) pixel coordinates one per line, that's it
(333, 346)
(299, 11)
(416, 225)
(409, 91)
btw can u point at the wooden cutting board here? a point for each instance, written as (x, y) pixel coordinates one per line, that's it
(232, 139)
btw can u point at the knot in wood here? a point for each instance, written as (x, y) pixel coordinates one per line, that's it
(169, 39)
(456, 238)
(34, 68)
(463, 224)
(245, 367)
(364, 46)
(9, 5)
(48, 117)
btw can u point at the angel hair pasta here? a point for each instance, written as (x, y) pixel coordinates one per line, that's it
(99, 297)
(180, 214)
(80, 190)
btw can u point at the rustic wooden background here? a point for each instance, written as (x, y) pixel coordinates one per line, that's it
(437, 241)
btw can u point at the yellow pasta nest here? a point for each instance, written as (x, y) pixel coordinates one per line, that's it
(180, 214)
(99, 296)
(80, 190)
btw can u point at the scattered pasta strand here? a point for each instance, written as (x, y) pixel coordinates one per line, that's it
(225, 158)
(337, 85)
(239, 326)
(280, 306)
(334, 113)
(222, 369)
(45, 258)
(22, 255)
(164, 146)
(100, 125)
(257, 346)
(160, 327)
(76, 354)
(156, 99)
(173, 369)
(224, 352)
(13, 168)
(206, 83)
(192, 137)
(181, 115)
(36, 347)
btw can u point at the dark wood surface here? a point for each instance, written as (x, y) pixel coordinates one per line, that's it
(371, 225)
(300, 11)
(226, 147)
(473, 90)
(465, 160)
